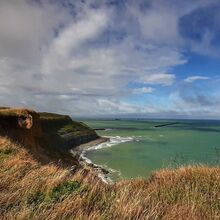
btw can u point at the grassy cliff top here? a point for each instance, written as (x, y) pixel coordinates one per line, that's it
(45, 134)
(13, 112)
(52, 116)
(63, 125)
(51, 122)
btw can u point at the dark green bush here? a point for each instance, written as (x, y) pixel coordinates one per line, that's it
(63, 190)
(6, 151)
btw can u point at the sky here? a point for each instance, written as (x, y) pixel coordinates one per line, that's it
(119, 58)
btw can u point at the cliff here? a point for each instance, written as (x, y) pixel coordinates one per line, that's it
(45, 134)
(63, 132)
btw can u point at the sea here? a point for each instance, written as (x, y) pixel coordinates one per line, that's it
(138, 147)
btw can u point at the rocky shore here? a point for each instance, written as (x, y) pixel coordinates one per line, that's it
(99, 170)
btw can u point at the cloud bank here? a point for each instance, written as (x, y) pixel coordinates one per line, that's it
(90, 58)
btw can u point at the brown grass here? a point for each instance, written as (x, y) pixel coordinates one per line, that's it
(30, 190)
(4, 111)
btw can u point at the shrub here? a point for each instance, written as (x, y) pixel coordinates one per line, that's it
(6, 151)
(63, 190)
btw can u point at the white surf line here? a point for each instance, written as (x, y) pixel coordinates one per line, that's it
(113, 140)
(101, 175)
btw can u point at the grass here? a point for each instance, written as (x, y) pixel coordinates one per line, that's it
(62, 125)
(13, 112)
(76, 128)
(58, 193)
(6, 152)
(61, 135)
(52, 116)
(35, 199)
(30, 190)
(63, 190)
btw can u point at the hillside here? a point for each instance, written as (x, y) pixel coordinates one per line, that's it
(46, 135)
(40, 180)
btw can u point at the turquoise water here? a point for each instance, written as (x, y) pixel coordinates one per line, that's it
(137, 148)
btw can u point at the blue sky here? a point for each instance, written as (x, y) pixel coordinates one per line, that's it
(127, 58)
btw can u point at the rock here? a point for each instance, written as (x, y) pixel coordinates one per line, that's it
(25, 121)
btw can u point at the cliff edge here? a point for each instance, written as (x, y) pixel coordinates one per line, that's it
(46, 135)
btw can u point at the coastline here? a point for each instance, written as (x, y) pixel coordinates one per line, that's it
(99, 170)
(104, 172)
(82, 147)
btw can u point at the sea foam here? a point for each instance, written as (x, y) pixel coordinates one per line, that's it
(112, 140)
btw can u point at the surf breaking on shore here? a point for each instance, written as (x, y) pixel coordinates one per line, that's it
(110, 141)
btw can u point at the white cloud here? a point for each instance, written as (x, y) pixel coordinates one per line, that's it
(69, 41)
(105, 69)
(161, 78)
(67, 70)
(195, 106)
(82, 62)
(26, 28)
(155, 22)
(143, 90)
(191, 79)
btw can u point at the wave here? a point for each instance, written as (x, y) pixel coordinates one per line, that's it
(104, 177)
(113, 140)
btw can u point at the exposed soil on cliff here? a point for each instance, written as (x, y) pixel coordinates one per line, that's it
(47, 136)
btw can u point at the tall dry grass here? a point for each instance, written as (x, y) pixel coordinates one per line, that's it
(30, 190)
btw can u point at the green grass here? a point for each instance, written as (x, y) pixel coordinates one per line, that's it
(63, 190)
(61, 132)
(7, 152)
(57, 194)
(61, 125)
(76, 128)
(51, 116)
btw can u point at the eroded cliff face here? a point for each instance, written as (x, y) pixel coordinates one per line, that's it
(22, 125)
(46, 135)
(64, 132)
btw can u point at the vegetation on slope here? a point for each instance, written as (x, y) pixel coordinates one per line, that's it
(61, 133)
(63, 125)
(45, 135)
(30, 190)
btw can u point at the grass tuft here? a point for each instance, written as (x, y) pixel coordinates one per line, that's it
(63, 190)
(35, 199)
(7, 152)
